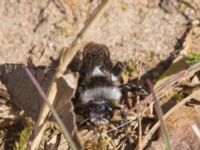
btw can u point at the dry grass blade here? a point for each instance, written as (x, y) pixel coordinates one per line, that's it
(140, 131)
(54, 113)
(159, 113)
(139, 118)
(181, 76)
(65, 59)
(156, 126)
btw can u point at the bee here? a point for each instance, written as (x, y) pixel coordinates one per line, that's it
(99, 83)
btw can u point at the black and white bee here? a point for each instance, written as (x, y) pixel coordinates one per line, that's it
(99, 87)
(99, 83)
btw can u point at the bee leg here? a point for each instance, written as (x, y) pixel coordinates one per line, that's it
(124, 119)
(134, 89)
(123, 115)
(117, 71)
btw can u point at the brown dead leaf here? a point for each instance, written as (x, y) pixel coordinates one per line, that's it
(21, 88)
(180, 131)
(64, 106)
(24, 94)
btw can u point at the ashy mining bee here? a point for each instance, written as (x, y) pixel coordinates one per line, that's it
(99, 86)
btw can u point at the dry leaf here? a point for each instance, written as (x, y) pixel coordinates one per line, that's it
(24, 94)
(21, 88)
(64, 106)
(180, 131)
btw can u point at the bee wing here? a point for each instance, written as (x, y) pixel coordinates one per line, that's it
(95, 55)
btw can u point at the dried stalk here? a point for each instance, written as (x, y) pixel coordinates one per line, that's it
(159, 113)
(139, 118)
(179, 77)
(65, 59)
(139, 131)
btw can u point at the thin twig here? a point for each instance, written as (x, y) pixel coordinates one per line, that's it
(120, 126)
(120, 145)
(65, 59)
(159, 113)
(177, 106)
(140, 131)
(139, 128)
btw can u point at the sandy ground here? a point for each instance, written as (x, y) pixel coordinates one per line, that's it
(131, 29)
(140, 30)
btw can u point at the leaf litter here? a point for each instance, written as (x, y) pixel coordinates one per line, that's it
(20, 93)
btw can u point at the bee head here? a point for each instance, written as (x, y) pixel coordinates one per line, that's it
(100, 114)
